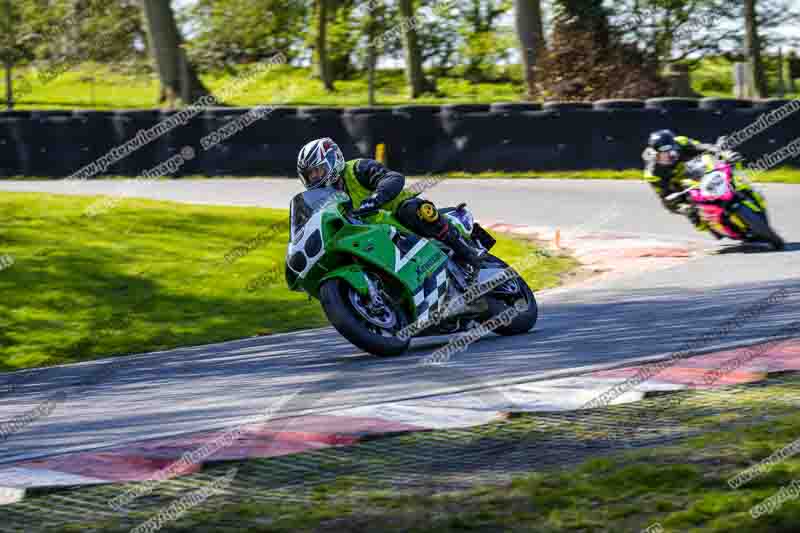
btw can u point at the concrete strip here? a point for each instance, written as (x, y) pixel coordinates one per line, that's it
(607, 255)
(143, 460)
(9, 495)
(21, 477)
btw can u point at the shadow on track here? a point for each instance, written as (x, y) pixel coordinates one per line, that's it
(756, 248)
(191, 389)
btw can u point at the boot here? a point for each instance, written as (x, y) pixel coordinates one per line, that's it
(464, 252)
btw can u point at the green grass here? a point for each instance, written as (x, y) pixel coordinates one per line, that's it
(151, 275)
(100, 86)
(682, 486)
(714, 77)
(781, 175)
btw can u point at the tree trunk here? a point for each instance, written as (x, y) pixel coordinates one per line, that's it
(528, 19)
(177, 75)
(323, 63)
(372, 57)
(416, 77)
(753, 49)
(5, 46)
(9, 87)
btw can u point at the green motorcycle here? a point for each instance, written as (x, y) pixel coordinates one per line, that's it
(381, 285)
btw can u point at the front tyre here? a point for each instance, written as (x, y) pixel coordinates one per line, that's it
(375, 333)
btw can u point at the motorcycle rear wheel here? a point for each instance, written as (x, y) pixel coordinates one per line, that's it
(523, 322)
(760, 227)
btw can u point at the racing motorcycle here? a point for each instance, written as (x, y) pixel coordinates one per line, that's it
(381, 285)
(731, 207)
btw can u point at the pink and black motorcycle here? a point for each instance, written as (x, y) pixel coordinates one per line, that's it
(726, 200)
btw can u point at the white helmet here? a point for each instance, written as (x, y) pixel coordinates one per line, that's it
(319, 163)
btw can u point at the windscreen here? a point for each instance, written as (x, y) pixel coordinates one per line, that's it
(305, 204)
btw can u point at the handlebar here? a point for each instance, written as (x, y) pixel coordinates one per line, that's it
(348, 215)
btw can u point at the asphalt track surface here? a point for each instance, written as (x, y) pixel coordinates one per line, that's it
(607, 323)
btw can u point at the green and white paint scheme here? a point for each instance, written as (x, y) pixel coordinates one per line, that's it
(325, 244)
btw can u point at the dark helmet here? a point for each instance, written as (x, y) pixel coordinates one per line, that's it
(664, 146)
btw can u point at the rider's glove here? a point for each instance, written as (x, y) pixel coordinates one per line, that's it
(368, 207)
(731, 156)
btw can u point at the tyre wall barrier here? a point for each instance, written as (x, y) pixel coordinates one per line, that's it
(267, 146)
(370, 127)
(95, 133)
(127, 126)
(15, 134)
(424, 147)
(418, 139)
(52, 142)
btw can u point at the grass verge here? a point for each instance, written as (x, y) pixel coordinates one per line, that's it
(564, 475)
(780, 175)
(149, 275)
(101, 86)
(98, 86)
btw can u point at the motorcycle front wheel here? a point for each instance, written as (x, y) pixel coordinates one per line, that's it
(373, 330)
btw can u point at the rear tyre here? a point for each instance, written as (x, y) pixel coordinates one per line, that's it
(761, 228)
(340, 303)
(525, 320)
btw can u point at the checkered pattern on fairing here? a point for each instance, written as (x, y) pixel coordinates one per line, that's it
(431, 292)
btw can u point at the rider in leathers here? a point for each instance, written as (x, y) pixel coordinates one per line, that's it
(671, 161)
(371, 187)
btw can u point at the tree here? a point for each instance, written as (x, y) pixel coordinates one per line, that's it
(57, 36)
(440, 38)
(688, 30)
(528, 19)
(753, 50)
(10, 51)
(103, 30)
(345, 30)
(678, 29)
(177, 74)
(374, 20)
(417, 82)
(589, 60)
(323, 61)
(483, 44)
(264, 28)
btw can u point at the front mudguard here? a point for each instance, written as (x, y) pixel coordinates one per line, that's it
(356, 277)
(291, 279)
(353, 275)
